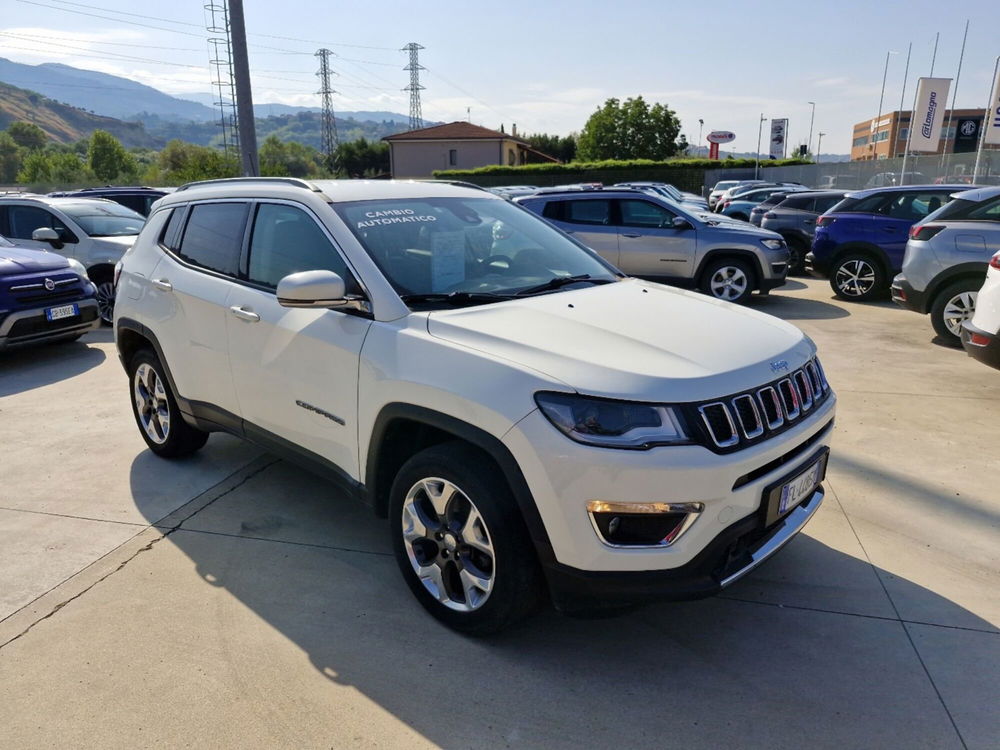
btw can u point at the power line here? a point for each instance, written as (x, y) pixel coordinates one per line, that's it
(108, 18)
(126, 13)
(94, 42)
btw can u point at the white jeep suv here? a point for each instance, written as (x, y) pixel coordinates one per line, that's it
(93, 231)
(529, 420)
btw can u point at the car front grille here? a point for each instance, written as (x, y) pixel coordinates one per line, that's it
(746, 418)
(31, 292)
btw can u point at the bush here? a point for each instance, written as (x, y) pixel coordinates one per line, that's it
(623, 165)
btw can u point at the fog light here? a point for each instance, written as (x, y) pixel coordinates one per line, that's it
(642, 524)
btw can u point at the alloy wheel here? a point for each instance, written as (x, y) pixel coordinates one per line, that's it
(728, 283)
(448, 544)
(957, 310)
(855, 278)
(151, 403)
(106, 301)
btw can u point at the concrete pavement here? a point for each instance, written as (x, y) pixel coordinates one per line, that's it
(233, 600)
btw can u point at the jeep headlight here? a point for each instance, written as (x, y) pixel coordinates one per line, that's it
(612, 424)
(773, 244)
(77, 267)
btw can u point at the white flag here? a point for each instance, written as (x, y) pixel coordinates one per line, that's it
(928, 114)
(779, 129)
(992, 124)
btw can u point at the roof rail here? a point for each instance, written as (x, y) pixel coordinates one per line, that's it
(293, 181)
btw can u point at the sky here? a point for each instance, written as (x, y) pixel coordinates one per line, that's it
(545, 65)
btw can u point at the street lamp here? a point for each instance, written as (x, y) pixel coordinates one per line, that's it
(819, 145)
(760, 129)
(812, 117)
(701, 124)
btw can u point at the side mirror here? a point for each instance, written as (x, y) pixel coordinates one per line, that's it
(45, 234)
(680, 222)
(322, 289)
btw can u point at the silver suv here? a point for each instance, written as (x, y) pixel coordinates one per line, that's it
(661, 241)
(946, 260)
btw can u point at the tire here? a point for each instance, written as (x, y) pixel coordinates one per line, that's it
(104, 281)
(858, 278)
(952, 306)
(728, 279)
(797, 250)
(155, 410)
(453, 519)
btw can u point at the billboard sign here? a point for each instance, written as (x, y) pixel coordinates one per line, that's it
(992, 126)
(779, 128)
(967, 134)
(928, 114)
(721, 136)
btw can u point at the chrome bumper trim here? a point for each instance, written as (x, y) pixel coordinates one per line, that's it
(789, 526)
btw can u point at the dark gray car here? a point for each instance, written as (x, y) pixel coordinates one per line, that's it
(795, 220)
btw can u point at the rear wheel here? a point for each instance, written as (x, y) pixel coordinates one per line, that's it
(728, 279)
(954, 305)
(460, 541)
(155, 410)
(104, 281)
(857, 277)
(797, 250)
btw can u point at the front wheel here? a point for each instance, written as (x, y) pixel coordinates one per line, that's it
(155, 410)
(857, 278)
(729, 279)
(796, 256)
(460, 541)
(954, 305)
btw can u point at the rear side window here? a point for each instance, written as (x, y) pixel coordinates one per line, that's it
(213, 236)
(825, 203)
(554, 210)
(869, 205)
(961, 209)
(914, 206)
(588, 212)
(170, 237)
(287, 240)
(798, 202)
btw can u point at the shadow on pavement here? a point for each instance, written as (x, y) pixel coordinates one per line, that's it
(796, 308)
(22, 369)
(746, 669)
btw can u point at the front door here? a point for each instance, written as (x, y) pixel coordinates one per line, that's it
(295, 370)
(650, 245)
(18, 222)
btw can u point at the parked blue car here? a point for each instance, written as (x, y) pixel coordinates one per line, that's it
(860, 242)
(43, 297)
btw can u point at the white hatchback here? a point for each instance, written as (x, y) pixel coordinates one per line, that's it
(981, 335)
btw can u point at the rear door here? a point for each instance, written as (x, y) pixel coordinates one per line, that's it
(589, 221)
(649, 244)
(295, 370)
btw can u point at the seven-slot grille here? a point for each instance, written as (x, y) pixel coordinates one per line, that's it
(737, 421)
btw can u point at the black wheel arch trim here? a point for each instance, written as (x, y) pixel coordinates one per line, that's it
(378, 491)
(960, 272)
(134, 326)
(714, 255)
(874, 251)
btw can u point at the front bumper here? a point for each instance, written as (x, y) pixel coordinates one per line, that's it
(30, 326)
(988, 353)
(813, 265)
(904, 295)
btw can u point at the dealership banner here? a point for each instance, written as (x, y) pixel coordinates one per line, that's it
(778, 130)
(928, 114)
(992, 124)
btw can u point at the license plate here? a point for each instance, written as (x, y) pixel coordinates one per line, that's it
(58, 313)
(784, 497)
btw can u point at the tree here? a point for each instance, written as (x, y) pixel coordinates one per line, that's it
(630, 130)
(362, 158)
(181, 162)
(27, 135)
(10, 159)
(108, 158)
(291, 159)
(561, 147)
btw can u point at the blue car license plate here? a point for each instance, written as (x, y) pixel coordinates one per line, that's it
(64, 311)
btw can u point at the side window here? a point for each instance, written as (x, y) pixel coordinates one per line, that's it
(915, 206)
(554, 210)
(23, 220)
(170, 237)
(644, 214)
(825, 204)
(452, 157)
(213, 236)
(286, 240)
(588, 212)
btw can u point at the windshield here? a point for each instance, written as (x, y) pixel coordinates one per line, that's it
(485, 246)
(104, 218)
(725, 185)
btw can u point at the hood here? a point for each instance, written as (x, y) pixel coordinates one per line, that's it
(743, 231)
(632, 340)
(18, 260)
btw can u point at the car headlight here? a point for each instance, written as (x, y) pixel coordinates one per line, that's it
(77, 268)
(612, 424)
(773, 244)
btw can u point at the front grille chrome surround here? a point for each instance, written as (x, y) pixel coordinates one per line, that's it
(743, 419)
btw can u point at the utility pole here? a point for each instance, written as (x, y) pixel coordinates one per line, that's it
(329, 139)
(701, 124)
(819, 145)
(416, 117)
(244, 97)
(812, 117)
(760, 129)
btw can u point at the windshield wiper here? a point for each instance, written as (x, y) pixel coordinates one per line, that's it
(456, 299)
(559, 282)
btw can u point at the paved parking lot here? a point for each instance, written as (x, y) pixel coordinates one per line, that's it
(233, 600)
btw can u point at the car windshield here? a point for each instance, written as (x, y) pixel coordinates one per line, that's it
(4, 242)
(725, 185)
(104, 218)
(467, 246)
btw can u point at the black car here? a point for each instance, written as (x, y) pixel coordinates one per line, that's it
(794, 218)
(139, 199)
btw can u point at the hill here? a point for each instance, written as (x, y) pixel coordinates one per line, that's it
(63, 123)
(102, 93)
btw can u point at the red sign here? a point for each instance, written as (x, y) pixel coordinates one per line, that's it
(720, 136)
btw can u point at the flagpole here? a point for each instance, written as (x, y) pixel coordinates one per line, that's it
(902, 97)
(909, 132)
(986, 121)
(945, 160)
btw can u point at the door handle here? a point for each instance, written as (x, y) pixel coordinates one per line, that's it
(162, 284)
(809, 221)
(243, 314)
(630, 235)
